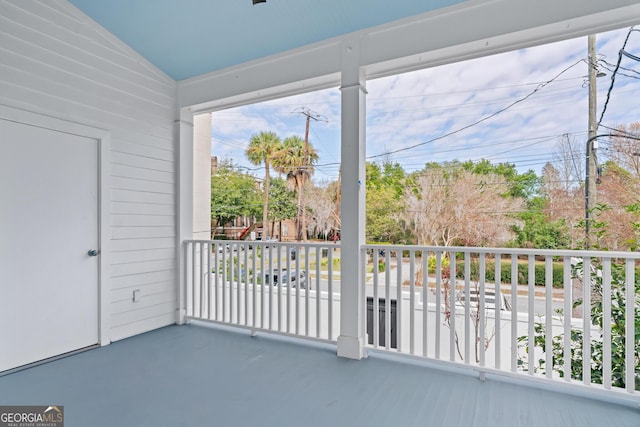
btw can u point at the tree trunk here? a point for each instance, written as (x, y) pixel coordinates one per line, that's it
(265, 210)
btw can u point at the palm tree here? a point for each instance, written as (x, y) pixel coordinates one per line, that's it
(262, 149)
(296, 160)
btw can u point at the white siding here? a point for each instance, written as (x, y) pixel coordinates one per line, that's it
(57, 62)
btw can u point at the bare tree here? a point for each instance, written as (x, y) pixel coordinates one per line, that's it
(625, 150)
(426, 207)
(466, 208)
(618, 189)
(565, 203)
(569, 161)
(483, 211)
(480, 335)
(319, 200)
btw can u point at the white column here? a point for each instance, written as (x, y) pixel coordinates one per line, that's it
(351, 341)
(202, 176)
(184, 199)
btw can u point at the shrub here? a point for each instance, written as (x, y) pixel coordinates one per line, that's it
(505, 272)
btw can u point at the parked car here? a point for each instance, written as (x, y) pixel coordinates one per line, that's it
(489, 300)
(269, 240)
(276, 277)
(228, 247)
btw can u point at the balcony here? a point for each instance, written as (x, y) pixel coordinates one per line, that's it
(519, 329)
(258, 353)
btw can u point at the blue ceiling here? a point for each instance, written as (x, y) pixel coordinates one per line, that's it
(186, 38)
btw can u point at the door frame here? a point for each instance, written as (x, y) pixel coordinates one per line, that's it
(103, 137)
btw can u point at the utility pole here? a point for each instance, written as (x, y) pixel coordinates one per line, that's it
(591, 168)
(306, 163)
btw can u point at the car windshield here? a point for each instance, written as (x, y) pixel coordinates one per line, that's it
(274, 277)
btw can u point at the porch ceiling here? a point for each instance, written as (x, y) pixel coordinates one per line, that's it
(198, 375)
(192, 37)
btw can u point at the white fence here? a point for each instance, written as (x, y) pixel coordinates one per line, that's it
(227, 283)
(532, 324)
(524, 325)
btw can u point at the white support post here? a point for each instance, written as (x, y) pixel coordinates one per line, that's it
(351, 342)
(184, 201)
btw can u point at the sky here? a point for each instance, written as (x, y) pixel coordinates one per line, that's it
(468, 110)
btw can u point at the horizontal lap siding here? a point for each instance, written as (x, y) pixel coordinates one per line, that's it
(56, 61)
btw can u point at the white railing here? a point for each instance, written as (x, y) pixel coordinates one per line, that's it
(530, 325)
(287, 288)
(520, 326)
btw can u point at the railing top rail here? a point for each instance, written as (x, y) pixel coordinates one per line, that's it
(578, 253)
(266, 242)
(508, 251)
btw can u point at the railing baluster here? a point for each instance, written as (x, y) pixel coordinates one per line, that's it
(288, 284)
(568, 316)
(318, 295)
(262, 286)
(243, 276)
(482, 320)
(193, 279)
(307, 275)
(235, 262)
(216, 281)
(630, 339)
(269, 283)
(586, 320)
(412, 303)
(531, 291)
(228, 282)
(467, 307)
(438, 320)
(399, 300)
(376, 303)
(279, 284)
(425, 304)
(606, 322)
(548, 285)
(498, 307)
(452, 306)
(387, 300)
(330, 296)
(209, 284)
(201, 279)
(254, 285)
(298, 288)
(514, 312)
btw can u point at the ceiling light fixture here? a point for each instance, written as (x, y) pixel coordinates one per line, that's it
(259, 1)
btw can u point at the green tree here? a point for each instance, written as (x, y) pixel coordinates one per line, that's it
(233, 194)
(262, 149)
(536, 230)
(296, 159)
(283, 202)
(385, 203)
(523, 185)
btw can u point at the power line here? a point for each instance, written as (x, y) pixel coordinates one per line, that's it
(613, 76)
(468, 90)
(623, 132)
(537, 89)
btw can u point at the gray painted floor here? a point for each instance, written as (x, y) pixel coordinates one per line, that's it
(204, 376)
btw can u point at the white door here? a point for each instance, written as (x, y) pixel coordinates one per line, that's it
(48, 223)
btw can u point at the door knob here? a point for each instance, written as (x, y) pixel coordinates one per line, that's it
(93, 252)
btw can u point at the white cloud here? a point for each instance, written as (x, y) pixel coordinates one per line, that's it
(413, 108)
